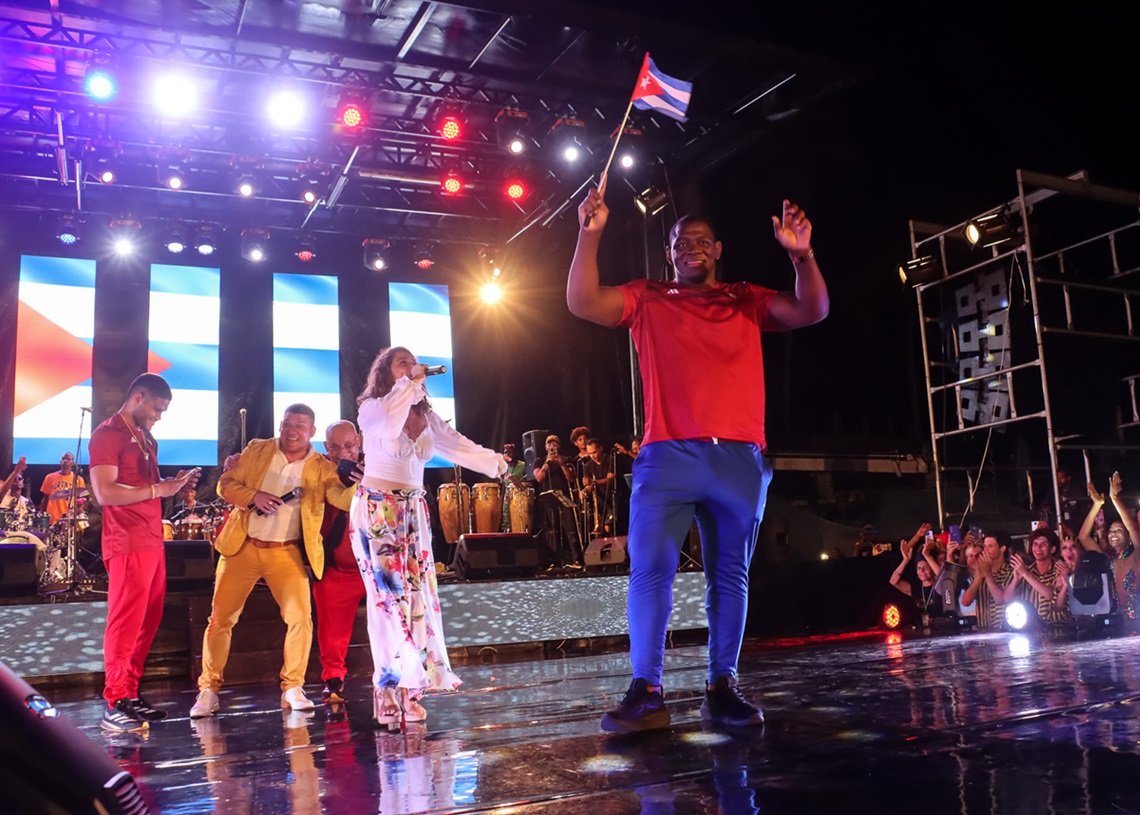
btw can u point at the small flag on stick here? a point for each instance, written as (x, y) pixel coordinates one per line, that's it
(661, 93)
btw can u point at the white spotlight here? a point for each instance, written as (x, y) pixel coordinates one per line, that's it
(626, 161)
(123, 247)
(571, 152)
(491, 293)
(175, 95)
(285, 109)
(1016, 615)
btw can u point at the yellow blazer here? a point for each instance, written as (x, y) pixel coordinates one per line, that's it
(319, 482)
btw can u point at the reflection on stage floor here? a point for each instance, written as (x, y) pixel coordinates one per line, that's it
(857, 723)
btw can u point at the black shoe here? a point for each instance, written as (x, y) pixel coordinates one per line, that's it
(146, 711)
(122, 718)
(334, 690)
(641, 709)
(724, 704)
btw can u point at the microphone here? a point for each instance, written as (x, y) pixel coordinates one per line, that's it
(85, 409)
(293, 493)
(433, 370)
(241, 411)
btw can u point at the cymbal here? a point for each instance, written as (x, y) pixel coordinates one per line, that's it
(62, 494)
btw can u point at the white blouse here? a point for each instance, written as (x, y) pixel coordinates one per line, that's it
(390, 455)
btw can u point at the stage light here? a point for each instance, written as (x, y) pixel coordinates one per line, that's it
(68, 231)
(255, 245)
(285, 109)
(310, 195)
(920, 270)
(124, 236)
(206, 242)
(174, 177)
(314, 182)
(449, 127)
(105, 171)
(451, 184)
(175, 95)
(892, 617)
(1016, 615)
(568, 137)
(510, 125)
(491, 293)
(306, 249)
(626, 161)
(246, 186)
(515, 190)
(351, 114)
(424, 257)
(376, 254)
(176, 243)
(99, 84)
(993, 229)
(650, 201)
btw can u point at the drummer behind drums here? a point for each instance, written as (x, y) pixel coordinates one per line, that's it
(57, 488)
(516, 472)
(17, 510)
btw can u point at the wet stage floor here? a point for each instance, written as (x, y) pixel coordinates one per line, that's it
(989, 723)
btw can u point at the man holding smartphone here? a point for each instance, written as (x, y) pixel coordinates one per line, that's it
(125, 479)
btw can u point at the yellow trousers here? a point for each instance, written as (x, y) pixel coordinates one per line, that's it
(284, 573)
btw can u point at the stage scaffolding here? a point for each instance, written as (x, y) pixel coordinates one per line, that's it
(1030, 345)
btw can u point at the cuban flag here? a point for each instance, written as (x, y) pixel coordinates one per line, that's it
(661, 93)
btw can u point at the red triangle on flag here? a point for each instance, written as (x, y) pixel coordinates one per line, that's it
(49, 359)
(647, 85)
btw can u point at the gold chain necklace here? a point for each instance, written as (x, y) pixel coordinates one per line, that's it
(139, 440)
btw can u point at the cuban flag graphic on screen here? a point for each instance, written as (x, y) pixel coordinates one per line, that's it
(661, 93)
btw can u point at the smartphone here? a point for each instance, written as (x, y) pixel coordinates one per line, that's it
(955, 533)
(194, 472)
(345, 468)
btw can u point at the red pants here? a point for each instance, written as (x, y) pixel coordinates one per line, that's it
(136, 588)
(337, 595)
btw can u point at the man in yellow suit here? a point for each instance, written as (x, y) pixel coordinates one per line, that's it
(273, 532)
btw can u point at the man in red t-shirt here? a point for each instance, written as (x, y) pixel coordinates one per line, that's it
(702, 371)
(125, 479)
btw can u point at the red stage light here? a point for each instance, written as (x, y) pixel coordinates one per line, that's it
(892, 617)
(449, 127)
(515, 190)
(351, 116)
(451, 184)
(305, 255)
(425, 263)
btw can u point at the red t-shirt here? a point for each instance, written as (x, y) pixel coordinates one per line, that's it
(702, 370)
(133, 527)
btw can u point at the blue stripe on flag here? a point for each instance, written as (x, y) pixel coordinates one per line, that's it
(193, 367)
(306, 370)
(419, 298)
(58, 271)
(48, 450)
(317, 290)
(185, 280)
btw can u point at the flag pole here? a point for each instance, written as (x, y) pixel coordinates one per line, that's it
(617, 138)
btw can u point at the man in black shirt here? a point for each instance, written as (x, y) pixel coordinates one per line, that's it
(598, 489)
(556, 483)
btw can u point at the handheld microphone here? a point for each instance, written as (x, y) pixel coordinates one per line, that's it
(293, 493)
(434, 370)
(241, 411)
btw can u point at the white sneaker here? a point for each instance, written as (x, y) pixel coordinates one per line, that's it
(295, 698)
(205, 705)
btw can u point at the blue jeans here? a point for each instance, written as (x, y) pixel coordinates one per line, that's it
(724, 486)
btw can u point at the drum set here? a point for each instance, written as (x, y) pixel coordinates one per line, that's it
(56, 544)
(459, 515)
(201, 522)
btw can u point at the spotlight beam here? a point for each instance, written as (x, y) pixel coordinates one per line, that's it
(494, 37)
(341, 180)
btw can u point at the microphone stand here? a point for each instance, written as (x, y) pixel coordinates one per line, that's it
(74, 578)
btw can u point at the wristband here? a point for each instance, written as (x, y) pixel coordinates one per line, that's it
(152, 495)
(808, 255)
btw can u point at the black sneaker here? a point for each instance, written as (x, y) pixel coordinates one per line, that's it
(724, 704)
(147, 711)
(334, 691)
(122, 718)
(641, 709)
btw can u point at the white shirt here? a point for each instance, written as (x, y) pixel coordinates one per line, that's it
(285, 523)
(390, 456)
(19, 504)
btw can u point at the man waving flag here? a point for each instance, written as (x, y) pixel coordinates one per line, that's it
(660, 92)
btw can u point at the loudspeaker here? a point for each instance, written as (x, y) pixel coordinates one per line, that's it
(1090, 581)
(189, 564)
(534, 445)
(21, 564)
(607, 552)
(48, 765)
(482, 556)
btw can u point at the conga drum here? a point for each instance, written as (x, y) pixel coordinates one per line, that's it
(453, 517)
(167, 530)
(520, 503)
(488, 507)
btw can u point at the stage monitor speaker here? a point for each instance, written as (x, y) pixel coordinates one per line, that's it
(534, 446)
(189, 565)
(607, 552)
(21, 564)
(48, 765)
(491, 555)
